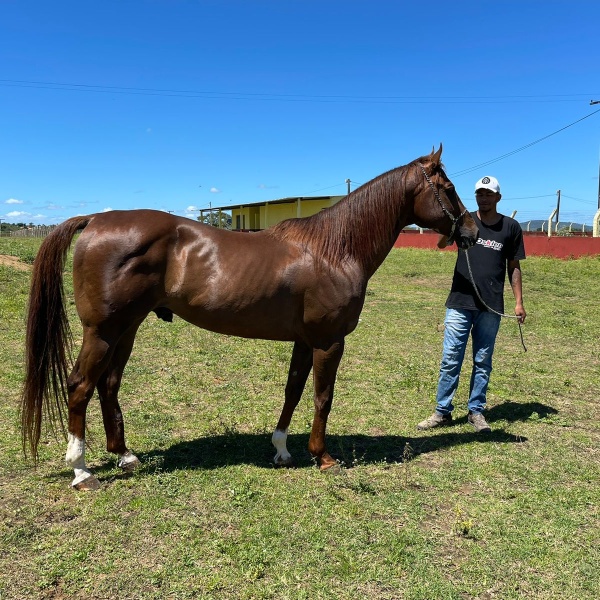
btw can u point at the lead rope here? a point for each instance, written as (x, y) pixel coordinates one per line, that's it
(488, 307)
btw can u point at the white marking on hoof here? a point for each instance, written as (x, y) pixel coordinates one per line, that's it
(283, 458)
(75, 458)
(129, 461)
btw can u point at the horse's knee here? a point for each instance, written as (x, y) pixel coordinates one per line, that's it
(323, 402)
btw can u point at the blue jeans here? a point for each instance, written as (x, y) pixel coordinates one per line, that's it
(483, 327)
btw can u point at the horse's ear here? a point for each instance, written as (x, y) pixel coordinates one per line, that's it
(436, 157)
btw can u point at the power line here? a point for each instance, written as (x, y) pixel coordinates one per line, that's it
(212, 95)
(503, 156)
(579, 199)
(531, 197)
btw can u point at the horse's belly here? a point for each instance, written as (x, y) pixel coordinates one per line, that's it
(269, 324)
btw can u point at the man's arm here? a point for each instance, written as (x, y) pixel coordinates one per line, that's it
(514, 276)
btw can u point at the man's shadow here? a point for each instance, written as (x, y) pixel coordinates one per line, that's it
(515, 411)
(217, 451)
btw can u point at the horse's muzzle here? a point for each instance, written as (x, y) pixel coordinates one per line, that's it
(467, 236)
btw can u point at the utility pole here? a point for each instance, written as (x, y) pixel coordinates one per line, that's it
(348, 182)
(592, 102)
(557, 207)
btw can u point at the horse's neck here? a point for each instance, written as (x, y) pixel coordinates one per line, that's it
(374, 221)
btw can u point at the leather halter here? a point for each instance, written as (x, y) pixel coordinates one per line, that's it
(452, 218)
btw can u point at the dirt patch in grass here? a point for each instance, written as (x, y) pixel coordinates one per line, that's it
(14, 262)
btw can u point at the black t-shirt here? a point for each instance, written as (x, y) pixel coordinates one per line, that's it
(495, 245)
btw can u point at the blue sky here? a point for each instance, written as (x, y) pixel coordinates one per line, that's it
(178, 105)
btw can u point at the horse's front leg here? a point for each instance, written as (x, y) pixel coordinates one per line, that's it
(325, 365)
(300, 366)
(108, 390)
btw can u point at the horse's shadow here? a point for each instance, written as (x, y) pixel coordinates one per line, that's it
(217, 451)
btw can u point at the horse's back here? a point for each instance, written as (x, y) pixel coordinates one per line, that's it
(128, 263)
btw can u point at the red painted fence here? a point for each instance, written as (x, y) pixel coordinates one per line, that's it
(535, 244)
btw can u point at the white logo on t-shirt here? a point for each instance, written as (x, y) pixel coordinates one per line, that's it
(490, 244)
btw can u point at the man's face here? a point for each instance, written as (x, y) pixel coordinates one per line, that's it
(486, 199)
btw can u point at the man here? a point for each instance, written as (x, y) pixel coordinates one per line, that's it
(499, 249)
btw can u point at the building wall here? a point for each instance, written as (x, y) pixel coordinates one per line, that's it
(270, 214)
(266, 215)
(535, 245)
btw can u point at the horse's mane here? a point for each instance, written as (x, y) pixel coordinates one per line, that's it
(357, 225)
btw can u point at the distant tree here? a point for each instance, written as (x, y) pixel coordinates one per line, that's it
(213, 218)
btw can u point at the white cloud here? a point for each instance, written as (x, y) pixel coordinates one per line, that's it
(17, 213)
(13, 201)
(54, 207)
(191, 208)
(107, 209)
(215, 190)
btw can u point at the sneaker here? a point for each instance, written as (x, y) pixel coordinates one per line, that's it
(479, 423)
(435, 420)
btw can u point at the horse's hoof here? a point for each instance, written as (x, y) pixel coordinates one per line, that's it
(89, 484)
(332, 469)
(330, 466)
(129, 462)
(131, 466)
(280, 461)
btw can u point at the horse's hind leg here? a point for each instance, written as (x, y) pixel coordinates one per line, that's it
(300, 366)
(92, 361)
(108, 390)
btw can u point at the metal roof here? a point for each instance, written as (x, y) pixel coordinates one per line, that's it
(276, 201)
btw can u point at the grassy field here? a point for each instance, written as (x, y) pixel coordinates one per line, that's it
(437, 515)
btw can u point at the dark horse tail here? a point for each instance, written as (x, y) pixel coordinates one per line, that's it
(48, 340)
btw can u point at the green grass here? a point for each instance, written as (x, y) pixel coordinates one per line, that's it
(437, 515)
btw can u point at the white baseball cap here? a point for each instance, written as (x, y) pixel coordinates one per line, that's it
(488, 183)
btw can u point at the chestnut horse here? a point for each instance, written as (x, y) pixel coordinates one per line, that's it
(302, 280)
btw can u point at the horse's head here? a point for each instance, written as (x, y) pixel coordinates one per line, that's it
(437, 205)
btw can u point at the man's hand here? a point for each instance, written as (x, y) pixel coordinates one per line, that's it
(520, 312)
